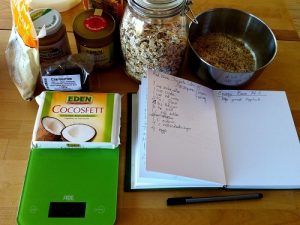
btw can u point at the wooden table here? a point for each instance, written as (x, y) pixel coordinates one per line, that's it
(17, 119)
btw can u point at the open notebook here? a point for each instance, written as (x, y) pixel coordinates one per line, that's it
(185, 135)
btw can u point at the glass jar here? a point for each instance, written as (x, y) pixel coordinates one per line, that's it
(154, 35)
(55, 44)
(94, 32)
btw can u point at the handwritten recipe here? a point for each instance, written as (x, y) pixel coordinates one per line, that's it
(167, 100)
(180, 114)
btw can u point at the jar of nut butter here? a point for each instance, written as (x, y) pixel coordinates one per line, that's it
(94, 33)
(54, 45)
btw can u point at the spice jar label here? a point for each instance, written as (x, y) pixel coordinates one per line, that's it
(95, 23)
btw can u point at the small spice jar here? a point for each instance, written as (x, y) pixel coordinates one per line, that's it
(55, 44)
(154, 36)
(94, 33)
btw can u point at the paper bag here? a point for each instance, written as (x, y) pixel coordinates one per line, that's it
(22, 53)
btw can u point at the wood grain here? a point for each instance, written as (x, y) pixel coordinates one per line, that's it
(293, 7)
(280, 15)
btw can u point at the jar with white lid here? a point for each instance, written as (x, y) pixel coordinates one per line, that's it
(54, 45)
(153, 35)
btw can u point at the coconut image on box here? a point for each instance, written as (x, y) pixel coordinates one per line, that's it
(77, 119)
(72, 172)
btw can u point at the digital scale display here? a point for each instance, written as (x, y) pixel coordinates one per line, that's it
(67, 210)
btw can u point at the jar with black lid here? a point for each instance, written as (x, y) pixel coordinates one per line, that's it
(153, 35)
(94, 32)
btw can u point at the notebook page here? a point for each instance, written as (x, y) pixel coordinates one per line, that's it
(182, 131)
(140, 177)
(259, 140)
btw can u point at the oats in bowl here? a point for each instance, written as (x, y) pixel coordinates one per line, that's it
(230, 47)
(225, 52)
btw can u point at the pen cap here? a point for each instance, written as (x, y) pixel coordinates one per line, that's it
(177, 201)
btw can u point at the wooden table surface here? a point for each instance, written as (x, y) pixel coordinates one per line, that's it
(149, 207)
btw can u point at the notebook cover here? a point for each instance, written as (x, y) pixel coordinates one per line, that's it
(127, 180)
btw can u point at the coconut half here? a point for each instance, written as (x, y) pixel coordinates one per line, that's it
(49, 129)
(78, 133)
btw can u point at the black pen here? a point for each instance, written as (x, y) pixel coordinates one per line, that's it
(191, 200)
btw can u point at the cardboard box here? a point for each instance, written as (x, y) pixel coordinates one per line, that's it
(77, 120)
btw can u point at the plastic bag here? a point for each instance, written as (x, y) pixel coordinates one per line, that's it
(22, 55)
(68, 74)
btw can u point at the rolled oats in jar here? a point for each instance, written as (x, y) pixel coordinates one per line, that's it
(153, 36)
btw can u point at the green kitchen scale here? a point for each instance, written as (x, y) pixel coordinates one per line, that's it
(70, 187)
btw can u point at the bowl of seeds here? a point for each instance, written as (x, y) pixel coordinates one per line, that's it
(230, 47)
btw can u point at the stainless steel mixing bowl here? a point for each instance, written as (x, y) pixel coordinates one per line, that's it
(249, 29)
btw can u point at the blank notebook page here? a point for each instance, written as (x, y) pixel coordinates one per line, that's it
(260, 145)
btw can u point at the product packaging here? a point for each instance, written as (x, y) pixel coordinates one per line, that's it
(52, 34)
(68, 74)
(77, 120)
(22, 53)
(94, 32)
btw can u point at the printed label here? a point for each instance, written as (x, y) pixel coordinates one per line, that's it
(39, 13)
(95, 23)
(62, 82)
(54, 51)
(76, 117)
(103, 56)
(46, 17)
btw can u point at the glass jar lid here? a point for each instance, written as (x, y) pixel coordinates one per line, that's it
(158, 8)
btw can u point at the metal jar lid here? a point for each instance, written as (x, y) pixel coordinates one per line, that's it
(93, 27)
(159, 8)
(50, 18)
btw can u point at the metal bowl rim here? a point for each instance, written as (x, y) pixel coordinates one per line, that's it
(248, 14)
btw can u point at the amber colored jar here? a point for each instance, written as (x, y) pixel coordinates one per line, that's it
(94, 33)
(55, 44)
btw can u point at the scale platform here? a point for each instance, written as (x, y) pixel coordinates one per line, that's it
(70, 187)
